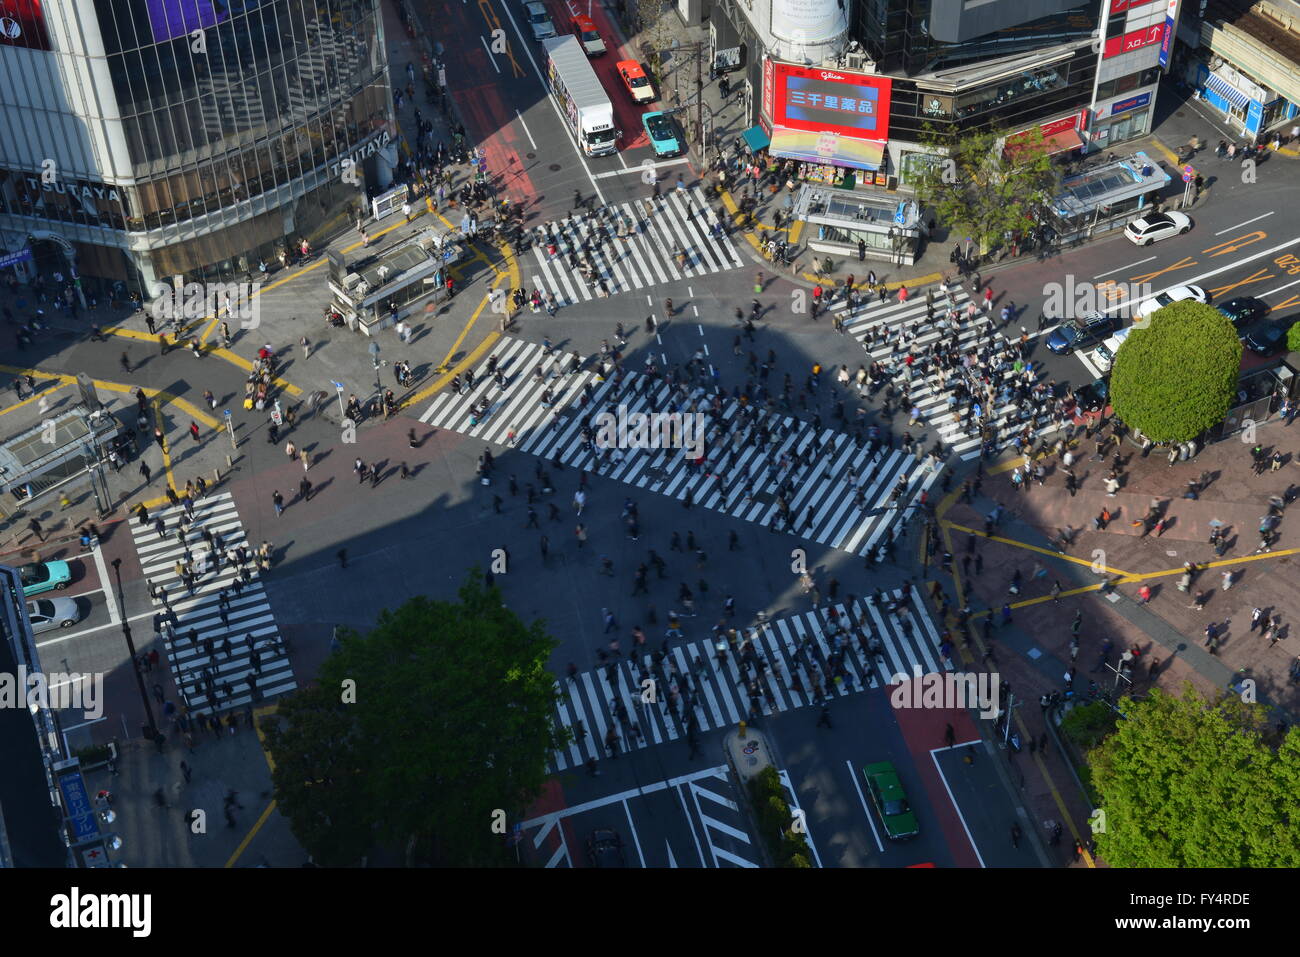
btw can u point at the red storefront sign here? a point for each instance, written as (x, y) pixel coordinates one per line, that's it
(1133, 41)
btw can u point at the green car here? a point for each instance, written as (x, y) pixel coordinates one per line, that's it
(890, 801)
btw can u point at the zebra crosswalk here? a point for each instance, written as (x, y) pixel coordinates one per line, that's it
(644, 256)
(878, 327)
(825, 504)
(221, 657)
(694, 680)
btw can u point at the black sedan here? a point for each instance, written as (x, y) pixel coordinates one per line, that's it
(1093, 396)
(1266, 338)
(1091, 330)
(605, 849)
(1243, 310)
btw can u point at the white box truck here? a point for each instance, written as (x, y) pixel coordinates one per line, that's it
(583, 101)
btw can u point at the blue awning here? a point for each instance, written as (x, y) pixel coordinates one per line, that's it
(756, 139)
(1226, 90)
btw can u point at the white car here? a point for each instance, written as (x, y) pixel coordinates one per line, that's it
(1157, 226)
(47, 614)
(1170, 295)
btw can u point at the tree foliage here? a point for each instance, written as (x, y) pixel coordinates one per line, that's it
(1177, 377)
(1293, 337)
(987, 186)
(1186, 782)
(451, 721)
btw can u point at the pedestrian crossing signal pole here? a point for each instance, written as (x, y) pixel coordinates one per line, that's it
(230, 429)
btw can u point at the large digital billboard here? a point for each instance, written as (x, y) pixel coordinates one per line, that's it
(22, 24)
(817, 100)
(177, 18)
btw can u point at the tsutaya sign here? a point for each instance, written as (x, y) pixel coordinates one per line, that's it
(361, 152)
(83, 189)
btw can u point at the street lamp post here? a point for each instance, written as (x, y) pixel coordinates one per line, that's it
(130, 647)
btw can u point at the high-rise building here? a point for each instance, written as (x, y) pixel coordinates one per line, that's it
(143, 139)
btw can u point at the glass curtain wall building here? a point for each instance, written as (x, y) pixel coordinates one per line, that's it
(213, 134)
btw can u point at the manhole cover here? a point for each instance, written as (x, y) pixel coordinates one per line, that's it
(1180, 113)
(530, 156)
(554, 167)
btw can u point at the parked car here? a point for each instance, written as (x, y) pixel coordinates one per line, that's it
(539, 20)
(49, 614)
(584, 28)
(1241, 311)
(605, 849)
(1091, 330)
(637, 83)
(1266, 338)
(1171, 295)
(663, 133)
(890, 800)
(40, 577)
(1156, 226)
(1093, 396)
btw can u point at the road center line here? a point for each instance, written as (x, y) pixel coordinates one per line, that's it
(1119, 268)
(491, 58)
(1246, 223)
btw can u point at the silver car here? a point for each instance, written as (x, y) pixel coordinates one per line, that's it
(48, 614)
(539, 20)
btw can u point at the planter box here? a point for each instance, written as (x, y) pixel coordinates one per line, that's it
(94, 758)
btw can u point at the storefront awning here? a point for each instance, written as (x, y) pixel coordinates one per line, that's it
(1226, 90)
(1061, 142)
(828, 149)
(756, 138)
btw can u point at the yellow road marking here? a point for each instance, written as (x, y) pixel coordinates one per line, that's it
(36, 397)
(248, 367)
(185, 405)
(1166, 152)
(1051, 553)
(270, 763)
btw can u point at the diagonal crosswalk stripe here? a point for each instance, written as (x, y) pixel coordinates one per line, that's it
(742, 477)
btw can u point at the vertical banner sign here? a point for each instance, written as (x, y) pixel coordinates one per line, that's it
(769, 80)
(1167, 42)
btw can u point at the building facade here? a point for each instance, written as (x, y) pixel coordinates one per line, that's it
(1242, 59)
(144, 139)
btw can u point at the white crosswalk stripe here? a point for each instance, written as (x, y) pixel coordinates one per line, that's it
(908, 640)
(822, 505)
(925, 391)
(682, 220)
(247, 624)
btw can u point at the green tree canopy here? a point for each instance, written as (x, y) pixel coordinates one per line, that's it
(986, 185)
(1177, 377)
(1186, 782)
(450, 721)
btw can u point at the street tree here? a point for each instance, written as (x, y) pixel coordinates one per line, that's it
(425, 734)
(1190, 782)
(1176, 377)
(1293, 338)
(985, 185)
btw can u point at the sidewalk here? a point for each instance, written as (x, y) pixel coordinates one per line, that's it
(1169, 629)
(153, 836)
